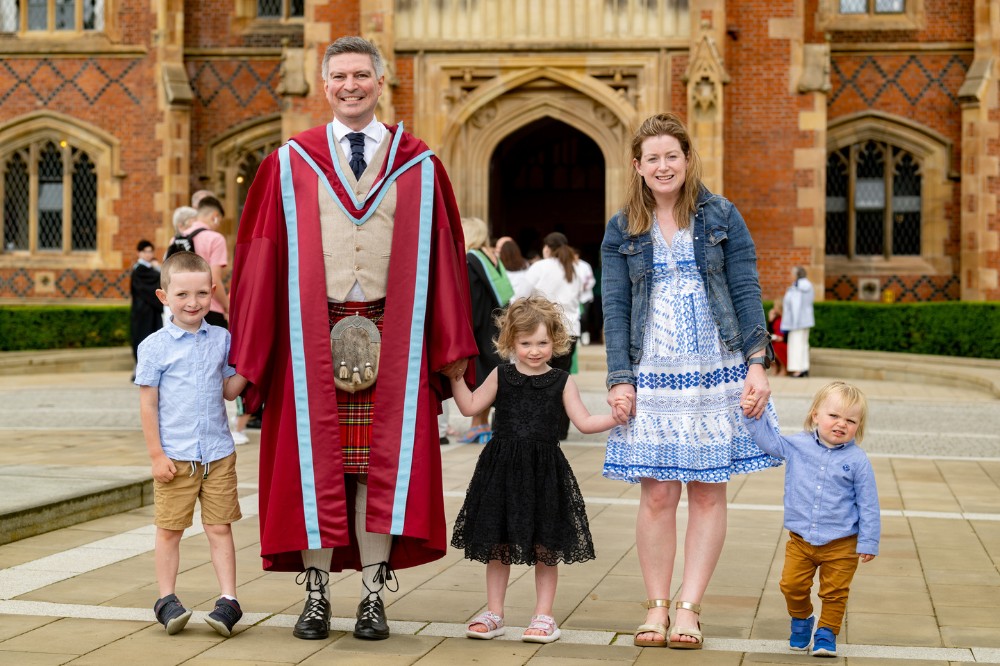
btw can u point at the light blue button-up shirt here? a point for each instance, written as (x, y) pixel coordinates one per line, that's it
(829, 492)
(189, 369)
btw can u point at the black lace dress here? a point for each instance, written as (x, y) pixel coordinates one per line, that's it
(523, 504)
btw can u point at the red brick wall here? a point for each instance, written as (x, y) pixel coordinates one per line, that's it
(402, 94)
(761, 133)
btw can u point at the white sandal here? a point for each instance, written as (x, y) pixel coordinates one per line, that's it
(490, 620)
(542, 623)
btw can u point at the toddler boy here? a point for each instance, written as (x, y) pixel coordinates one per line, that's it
(183, 377)
(831, 509)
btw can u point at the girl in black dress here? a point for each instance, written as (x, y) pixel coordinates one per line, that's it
(523, 505)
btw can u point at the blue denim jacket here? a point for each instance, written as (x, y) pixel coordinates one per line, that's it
(727, 262)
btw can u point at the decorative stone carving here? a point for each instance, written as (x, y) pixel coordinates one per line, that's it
(705, 76)
(484, 116)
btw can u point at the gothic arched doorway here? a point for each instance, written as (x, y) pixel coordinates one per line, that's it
(548, 176)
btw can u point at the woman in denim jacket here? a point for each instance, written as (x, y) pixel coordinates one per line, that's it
(686, 342)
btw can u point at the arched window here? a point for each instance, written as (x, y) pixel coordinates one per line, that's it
(873, 201)
(234, 159)
(50, 195)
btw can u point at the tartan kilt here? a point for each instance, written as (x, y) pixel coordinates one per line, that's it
(355, 410)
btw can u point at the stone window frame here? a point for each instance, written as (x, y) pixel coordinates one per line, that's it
(104, 150)
(934, 152)
(829, 18)
(245, 20)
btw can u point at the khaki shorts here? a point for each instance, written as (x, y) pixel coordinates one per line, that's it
(220, 504)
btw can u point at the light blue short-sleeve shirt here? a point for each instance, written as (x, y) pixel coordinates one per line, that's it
(189, 369)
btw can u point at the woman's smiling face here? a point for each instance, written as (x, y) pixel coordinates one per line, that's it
(662, 165)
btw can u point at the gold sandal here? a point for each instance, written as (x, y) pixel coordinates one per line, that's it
(660, 629)
(687, 631)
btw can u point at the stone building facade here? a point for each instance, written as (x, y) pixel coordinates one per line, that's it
(859, 138)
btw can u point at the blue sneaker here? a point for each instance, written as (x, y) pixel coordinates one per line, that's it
(801, 633)
(824, 643)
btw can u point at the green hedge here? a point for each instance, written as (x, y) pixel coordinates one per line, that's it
(62, 326)
(950, 328)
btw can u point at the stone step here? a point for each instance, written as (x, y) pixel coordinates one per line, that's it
(35, 499)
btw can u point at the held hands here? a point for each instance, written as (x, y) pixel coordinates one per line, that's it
(865, 557)
(163, 469)
(621, 399)
(456, 369)
(756, 392)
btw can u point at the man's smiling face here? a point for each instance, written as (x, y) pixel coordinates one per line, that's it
(352, 89)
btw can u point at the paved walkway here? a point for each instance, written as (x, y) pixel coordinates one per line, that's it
(82, 594)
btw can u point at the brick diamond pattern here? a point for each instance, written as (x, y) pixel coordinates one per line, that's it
(908, 289)
(240, 79)
(69, 284)
(914, 79)
(45, 79)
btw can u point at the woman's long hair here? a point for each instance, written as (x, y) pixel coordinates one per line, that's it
(639, 201)
(511, 257)
(560, 249)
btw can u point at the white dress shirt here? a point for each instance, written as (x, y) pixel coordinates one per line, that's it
(374, 133)
(547, 278)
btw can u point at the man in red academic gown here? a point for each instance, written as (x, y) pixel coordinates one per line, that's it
(351, 218)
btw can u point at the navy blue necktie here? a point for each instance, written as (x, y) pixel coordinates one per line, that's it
(358, 163)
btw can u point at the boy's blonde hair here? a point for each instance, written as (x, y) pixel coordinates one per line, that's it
(850, 396)
(183, 262)
(523, 316)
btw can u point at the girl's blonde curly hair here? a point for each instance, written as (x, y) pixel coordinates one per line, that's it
(523, 316)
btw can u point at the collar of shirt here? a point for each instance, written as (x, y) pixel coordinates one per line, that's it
(374, 133)
(143, 262)
(177, 332)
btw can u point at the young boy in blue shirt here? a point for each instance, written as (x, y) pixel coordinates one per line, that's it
(183, 376)
(831, 509)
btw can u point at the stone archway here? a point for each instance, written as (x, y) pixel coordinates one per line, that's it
(544, 177)
(497, 108)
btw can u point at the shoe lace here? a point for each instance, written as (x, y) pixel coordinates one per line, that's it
(384, 574)
(316, 604)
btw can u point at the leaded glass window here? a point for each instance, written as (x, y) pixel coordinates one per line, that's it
(51, 15)
(280, 9)
(873, 201)
(49, 198)
(872, 6)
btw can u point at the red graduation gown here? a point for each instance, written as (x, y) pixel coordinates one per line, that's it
(280, 343)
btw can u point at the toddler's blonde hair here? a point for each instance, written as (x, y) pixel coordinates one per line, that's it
(522, 317)
(850, 396)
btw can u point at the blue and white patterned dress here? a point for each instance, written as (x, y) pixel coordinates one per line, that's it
(688, 424)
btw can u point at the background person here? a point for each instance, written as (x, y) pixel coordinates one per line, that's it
(661, 306)
(146, 314)
(211, 246)
(513, 261)
(796, 320)
(490, 291)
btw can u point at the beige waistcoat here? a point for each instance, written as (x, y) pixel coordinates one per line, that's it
(357, 253)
